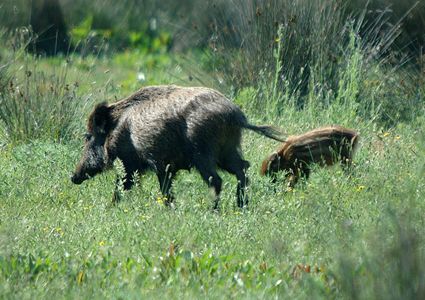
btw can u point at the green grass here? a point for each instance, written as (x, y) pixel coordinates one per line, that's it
(62, 240)
(333, 237)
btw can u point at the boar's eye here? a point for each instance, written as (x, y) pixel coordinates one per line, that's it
(87, 136)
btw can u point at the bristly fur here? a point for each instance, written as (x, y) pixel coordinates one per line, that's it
(169, 128)
(325, 146)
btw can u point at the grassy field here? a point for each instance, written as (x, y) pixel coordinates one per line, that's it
(61, 240)
(334, 237)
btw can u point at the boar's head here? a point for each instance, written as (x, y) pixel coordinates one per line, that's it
(95, 157)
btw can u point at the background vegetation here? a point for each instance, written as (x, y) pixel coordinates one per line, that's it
(296, 64)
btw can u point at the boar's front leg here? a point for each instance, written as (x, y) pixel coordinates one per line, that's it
(128, 180)
(127, 183)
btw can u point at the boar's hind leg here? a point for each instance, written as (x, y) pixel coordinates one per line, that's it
(165, 179)
(234, 164)
(206, 167)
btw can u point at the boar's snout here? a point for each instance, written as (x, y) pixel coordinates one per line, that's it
(78, 179)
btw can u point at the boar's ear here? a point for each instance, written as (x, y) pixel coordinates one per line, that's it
(100, 120)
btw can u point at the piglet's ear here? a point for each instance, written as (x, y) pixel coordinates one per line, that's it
(274, 162)
(265, 167)
(100, 121)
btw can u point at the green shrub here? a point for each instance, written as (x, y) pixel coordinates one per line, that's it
(147, 37)
(307, 53)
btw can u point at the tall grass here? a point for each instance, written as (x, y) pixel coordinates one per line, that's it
(310, 32)
(329, 238)
(314, 41)
(35, 103)
(309, 52)
(193, 22)
(387, 266)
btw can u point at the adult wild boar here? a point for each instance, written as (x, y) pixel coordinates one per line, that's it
(324, 146)
(167, 129)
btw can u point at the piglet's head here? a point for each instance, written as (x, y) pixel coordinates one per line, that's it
(271, 165)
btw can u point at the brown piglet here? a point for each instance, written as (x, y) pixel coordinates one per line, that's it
(324, 146)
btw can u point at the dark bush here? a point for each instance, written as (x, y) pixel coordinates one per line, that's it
(48, 25)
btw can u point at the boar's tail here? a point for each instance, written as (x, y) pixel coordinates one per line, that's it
(268, 131)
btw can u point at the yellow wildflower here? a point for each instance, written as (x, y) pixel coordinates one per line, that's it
(360, 188)
(160, 201)
(145, 217)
